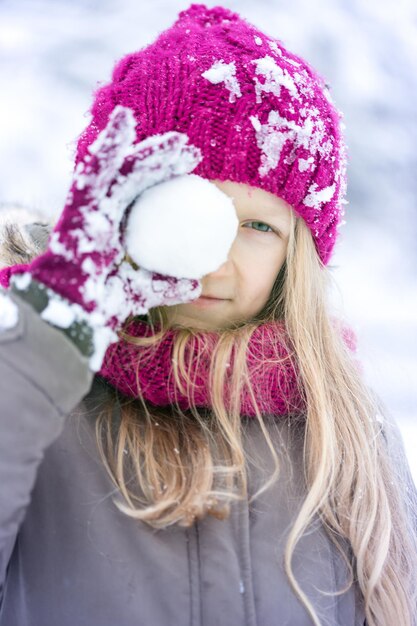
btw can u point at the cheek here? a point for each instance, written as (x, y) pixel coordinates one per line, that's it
(259, 271)
(263, 283)
(258, 282)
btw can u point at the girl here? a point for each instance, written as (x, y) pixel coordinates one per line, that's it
(180, 451)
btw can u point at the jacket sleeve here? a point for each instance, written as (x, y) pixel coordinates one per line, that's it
(43, 376)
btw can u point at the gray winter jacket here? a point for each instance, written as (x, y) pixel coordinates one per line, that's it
(68, 557)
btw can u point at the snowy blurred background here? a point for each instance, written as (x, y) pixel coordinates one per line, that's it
(53, 53)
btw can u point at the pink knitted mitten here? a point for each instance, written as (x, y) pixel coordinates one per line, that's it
(83, 279)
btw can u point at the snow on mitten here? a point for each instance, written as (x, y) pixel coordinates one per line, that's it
(83, 282)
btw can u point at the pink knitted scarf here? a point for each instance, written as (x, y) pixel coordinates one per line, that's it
(275, 384)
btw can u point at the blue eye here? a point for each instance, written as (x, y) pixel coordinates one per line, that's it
(262, 224)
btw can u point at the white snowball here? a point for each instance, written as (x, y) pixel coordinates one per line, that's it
(183, 227)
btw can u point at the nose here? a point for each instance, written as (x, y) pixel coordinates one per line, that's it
(224, 269)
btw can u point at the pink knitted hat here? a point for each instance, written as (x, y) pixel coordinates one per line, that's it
(260, 114)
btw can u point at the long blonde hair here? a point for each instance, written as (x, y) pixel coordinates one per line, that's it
(173, 466)
(188, 464)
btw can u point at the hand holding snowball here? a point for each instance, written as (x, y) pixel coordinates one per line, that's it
(83, 271)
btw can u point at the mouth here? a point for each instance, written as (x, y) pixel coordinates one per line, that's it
(208, 300)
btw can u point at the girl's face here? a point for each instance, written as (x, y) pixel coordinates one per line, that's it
(242, 285)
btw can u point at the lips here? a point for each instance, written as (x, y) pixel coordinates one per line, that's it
(212, 297)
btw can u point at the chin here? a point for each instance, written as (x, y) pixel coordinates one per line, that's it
(198, 323)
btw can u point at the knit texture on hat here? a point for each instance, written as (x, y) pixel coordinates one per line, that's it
(260, 114)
